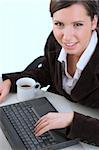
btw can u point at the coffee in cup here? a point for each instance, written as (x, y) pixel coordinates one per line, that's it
(27, 88)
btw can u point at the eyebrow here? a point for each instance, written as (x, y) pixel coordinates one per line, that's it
(72, 22)
(78, 21)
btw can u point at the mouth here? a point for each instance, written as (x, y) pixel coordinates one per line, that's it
(70, 45)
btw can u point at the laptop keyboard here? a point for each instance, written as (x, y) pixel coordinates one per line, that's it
(22, 117)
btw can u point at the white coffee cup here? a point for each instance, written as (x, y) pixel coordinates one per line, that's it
(27, 88)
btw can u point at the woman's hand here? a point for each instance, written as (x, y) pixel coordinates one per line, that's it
(4, 89)
(53, 121)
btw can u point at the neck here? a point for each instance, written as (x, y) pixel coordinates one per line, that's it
(71, 64)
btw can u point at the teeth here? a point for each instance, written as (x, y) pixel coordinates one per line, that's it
(70, 44)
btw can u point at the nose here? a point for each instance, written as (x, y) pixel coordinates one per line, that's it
(67, 34)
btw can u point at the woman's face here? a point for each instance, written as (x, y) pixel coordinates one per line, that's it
(72, 28)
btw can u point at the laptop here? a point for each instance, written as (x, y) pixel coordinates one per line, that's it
(16, 122)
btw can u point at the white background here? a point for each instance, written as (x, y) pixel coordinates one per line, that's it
(24, 27)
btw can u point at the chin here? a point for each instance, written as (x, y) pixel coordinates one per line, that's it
(73, 52)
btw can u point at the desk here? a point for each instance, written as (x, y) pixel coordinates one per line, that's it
(61, 104)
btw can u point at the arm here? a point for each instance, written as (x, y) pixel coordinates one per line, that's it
(77, 126)
(85, 128)
(39, 74)
(4, 89)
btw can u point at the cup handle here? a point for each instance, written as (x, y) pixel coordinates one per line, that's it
(37, 86)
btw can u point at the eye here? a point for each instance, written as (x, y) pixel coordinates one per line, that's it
(59, 24)
(76, 25)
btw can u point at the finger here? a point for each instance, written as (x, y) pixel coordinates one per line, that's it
(40, 127)
(41, 123)
(47, 116)
(43, 130)
(40, 120)
(45, 127)
(0, 89)
(1, 98)
(1, 86)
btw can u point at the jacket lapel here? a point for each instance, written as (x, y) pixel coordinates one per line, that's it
(88, 80)
(58, 76)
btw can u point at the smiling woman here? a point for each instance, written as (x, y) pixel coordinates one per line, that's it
(20, 27)
(74, 32)
(70, 66)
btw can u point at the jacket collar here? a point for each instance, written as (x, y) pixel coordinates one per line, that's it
(88, 80)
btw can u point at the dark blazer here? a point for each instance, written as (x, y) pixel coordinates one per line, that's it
(85, 92)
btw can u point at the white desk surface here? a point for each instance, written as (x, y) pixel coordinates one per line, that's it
(61, 104)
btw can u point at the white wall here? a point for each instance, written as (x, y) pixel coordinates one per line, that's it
(24, 27)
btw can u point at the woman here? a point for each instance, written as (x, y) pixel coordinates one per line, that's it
(70, 67)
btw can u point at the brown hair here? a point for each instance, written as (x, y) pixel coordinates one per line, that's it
(92, 6)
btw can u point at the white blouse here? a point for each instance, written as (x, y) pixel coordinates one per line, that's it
(68, 81)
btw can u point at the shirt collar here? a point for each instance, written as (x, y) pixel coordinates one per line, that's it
(62, 56)
(85, 57)
(86, 54)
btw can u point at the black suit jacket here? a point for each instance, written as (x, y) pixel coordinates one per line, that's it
(86, 91)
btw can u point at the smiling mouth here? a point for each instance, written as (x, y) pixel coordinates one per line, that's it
(70, 45)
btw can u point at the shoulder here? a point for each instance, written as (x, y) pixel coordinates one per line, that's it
(51, 43)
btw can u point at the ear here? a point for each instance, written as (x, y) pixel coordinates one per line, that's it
(94, 22)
